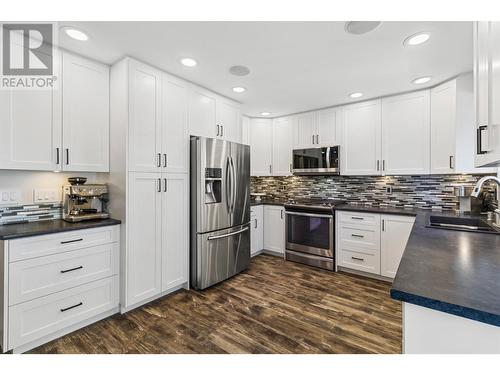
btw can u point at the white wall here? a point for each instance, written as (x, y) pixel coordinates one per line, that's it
(26, 181)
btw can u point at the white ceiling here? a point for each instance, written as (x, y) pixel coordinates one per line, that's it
(295, 66)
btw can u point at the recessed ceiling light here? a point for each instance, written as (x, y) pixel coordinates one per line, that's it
(361, 27)
(421, 80)
(416, 39)
(355, 95)
(239, 89)
(265, 113)
(187, 61)
(75, 33)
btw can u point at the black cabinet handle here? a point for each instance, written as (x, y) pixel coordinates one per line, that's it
(479, 141)
(255, 223)
(164, 160)
(71, 307)
(159, 185)
(451, 161)
(218, 130)
(383, 165)
(383, 225)
(72, 269)
(158, 160)
(67, 156)
(355, 258)
(357, 218)
(378, 165)
(357, 235)
(57, 156)
(222, 130)
(165, 186)
(70, 241)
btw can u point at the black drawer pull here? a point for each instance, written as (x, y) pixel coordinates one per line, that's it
(71, 307)
(70, 241)
(357, 218)
(361, 259)
(357, 235)
(72, 269)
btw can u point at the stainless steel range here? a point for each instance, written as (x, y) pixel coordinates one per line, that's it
(310, 232)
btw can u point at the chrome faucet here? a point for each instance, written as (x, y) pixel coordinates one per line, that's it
(477, 190)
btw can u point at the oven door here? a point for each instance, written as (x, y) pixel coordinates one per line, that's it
(309, 233)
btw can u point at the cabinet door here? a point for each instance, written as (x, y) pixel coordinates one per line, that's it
(229, 120)
(202, 113)
(443, 124)
(175, 249)
(305, 131)
(493, 142)
(144, 118)
(361, 131)
(143, 251)
(175, 144)
(394, 236)
(327, 127)
(30, 129)
(274, 233)
(261, 138)
(406, 134)
(85, 115)
(282, 147)
(257, 239)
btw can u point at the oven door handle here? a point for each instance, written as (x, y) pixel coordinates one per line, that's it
(307, 214)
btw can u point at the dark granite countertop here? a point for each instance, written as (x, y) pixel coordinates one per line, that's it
(36, 228)
(451, 271)
(378, 209)
(270, 202)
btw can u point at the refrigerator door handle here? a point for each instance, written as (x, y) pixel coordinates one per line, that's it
(228, 185)
(233, 185)
(211, 238)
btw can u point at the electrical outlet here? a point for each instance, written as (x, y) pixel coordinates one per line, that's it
(388, 189)
(10, 197)
(45, 195)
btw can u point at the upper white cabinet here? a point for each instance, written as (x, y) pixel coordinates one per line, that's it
(261, 143)
(327, 127)
(175, 138)
(202, 113)
(66, 128)
(282, 146)
(316, 129)
(305, 130)
(405, 134)
(487, 92)
(228, 120)
(361, 139)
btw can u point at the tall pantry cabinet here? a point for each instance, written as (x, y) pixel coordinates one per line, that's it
(149, 180)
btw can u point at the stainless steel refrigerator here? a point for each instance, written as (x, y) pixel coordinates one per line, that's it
(220, 210)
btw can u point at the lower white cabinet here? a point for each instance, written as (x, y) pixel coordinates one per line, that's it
(58, 289)
(257, 230)
(274, 234)
(371, 243)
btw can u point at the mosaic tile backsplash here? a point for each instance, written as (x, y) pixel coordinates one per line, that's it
(426, 191)
(30, 212)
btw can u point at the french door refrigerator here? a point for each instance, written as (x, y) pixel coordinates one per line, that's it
(220, 210)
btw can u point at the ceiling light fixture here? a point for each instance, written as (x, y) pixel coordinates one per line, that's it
(416, 39)
(265, 113)
(75, 34)
(421, 80)
(355, 95)
(239, 70)
(239, 90)
(189, 62)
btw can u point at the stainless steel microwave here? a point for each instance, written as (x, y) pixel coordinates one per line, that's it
(316, 161)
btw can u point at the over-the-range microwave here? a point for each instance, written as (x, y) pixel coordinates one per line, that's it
(316, 161)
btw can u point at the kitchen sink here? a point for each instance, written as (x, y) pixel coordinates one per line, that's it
(467, 224)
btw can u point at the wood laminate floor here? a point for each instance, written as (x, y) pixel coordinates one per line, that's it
(273, 307)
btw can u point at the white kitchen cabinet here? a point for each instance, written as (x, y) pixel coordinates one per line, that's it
(175, 247)
(245, 130)
(406, 134)
(143, 262)
(274, 232)
(144, 122)
(202, 115)
(261, 143)
(175, 138)
(257, 229)
(395, 232)
(282, 146)
(327, 127)
(305, 130)
(85, 115)
(487, 92)
(361, 139)
(228, 120)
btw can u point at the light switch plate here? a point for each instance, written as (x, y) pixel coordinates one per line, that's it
(10, 197)
(44, 195)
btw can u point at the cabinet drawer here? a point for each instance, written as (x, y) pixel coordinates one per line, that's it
(358, 236)
(37, 277)
(360, 218)
(35, 319)
(360, 261)
(37, 246)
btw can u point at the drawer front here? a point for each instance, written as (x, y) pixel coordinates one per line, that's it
(35, 319)
(349, 217)
(37, 246)
(37, 277)
(357, 236)
(360, 261)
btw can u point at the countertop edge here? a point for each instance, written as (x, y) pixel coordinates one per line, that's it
(378, 210)
(449, 308)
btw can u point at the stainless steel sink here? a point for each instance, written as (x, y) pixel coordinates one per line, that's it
(468, 224)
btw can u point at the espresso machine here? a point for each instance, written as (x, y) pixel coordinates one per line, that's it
(84, 202)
